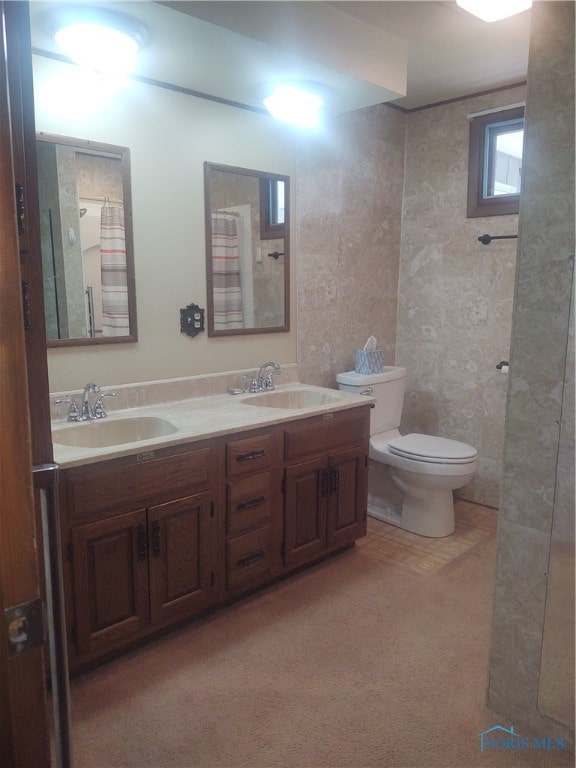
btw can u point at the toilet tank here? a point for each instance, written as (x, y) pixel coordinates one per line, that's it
(388, 389)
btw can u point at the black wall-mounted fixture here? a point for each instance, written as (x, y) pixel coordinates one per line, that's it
(487, 239)
(192, 320)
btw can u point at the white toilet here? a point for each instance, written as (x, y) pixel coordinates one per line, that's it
(412, 477)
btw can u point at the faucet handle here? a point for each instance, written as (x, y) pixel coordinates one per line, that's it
(253, 379)
(98, 411)
(73, 410)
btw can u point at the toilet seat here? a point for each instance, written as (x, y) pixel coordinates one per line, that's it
(431, 449)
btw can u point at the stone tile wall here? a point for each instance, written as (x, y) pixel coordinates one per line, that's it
(539, 422)
(348, 217)
(455, 294)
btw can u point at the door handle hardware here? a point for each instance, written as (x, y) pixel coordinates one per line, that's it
(334, 481)
(25, 626)
(250, 503)
(142, 544)
(325, 483)
(155, 538)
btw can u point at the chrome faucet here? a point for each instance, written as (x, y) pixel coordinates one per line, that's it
(266, 384)
(85, 411)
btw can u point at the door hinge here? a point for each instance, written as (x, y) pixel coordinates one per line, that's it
(25, 626)
(26, 306)
(20, 209)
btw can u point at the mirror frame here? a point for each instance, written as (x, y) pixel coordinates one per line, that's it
(123, 153)
(262, 176)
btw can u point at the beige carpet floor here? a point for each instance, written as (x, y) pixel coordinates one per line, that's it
(358, 662)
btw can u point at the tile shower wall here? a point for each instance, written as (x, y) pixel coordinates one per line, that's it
(537, 509)
(455, 294)
(348, 217)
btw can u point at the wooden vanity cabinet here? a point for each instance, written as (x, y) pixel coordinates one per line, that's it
(326, 484)
(153, 540)
(140, 541)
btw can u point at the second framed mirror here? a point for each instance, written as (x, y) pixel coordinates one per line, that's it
(247, 250)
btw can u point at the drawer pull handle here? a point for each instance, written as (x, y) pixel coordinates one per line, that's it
(250, 455)
(155, 538)
(252, 558)
(141, 543)
(250, 503)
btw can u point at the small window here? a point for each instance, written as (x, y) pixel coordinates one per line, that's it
(495, 163)
(272, 209)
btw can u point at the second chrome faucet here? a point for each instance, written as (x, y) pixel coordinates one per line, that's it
(261, 381)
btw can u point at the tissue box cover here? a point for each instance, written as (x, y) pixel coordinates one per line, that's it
(371, 361)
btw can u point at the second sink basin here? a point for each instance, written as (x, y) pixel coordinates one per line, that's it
(100, 434)
(297, 398)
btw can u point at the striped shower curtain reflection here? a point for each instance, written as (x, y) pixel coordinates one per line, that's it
(226, 287)
(115, 320)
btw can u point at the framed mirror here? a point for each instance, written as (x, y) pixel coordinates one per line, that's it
(247, 250)
(86, 241)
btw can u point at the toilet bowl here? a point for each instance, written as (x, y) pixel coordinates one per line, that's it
(412, 477)
(426, 470)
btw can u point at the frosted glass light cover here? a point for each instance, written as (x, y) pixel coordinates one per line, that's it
(494, 10)
(98, 47)
(294, 105)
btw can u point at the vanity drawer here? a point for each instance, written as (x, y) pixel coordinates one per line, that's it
(253, 454)
(249, 558)
(248, 503)
(329, 433)
(95, 489)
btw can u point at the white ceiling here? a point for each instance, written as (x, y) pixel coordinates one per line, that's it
(365, 52)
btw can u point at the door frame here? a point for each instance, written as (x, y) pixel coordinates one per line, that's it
(24, 739)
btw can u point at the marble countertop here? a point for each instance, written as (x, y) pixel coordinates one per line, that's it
(196, 419)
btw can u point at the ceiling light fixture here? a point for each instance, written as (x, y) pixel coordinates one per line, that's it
(494, 10)
(99, 39)
(298, 105)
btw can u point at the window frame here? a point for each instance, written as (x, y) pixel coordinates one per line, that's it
(269, 228)
(478, 205)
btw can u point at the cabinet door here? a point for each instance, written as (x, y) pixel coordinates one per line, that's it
(348, 476)
(182, 547)
(305, 512)
(110, 581)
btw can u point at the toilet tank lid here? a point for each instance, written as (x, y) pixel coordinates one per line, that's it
(363, 379)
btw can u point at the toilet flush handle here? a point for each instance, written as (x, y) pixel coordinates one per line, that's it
(367, 391)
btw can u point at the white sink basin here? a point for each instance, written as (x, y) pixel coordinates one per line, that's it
(100, 434)
(298, 398)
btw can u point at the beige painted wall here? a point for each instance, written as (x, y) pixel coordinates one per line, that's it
(170, 135)
(455, 305)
